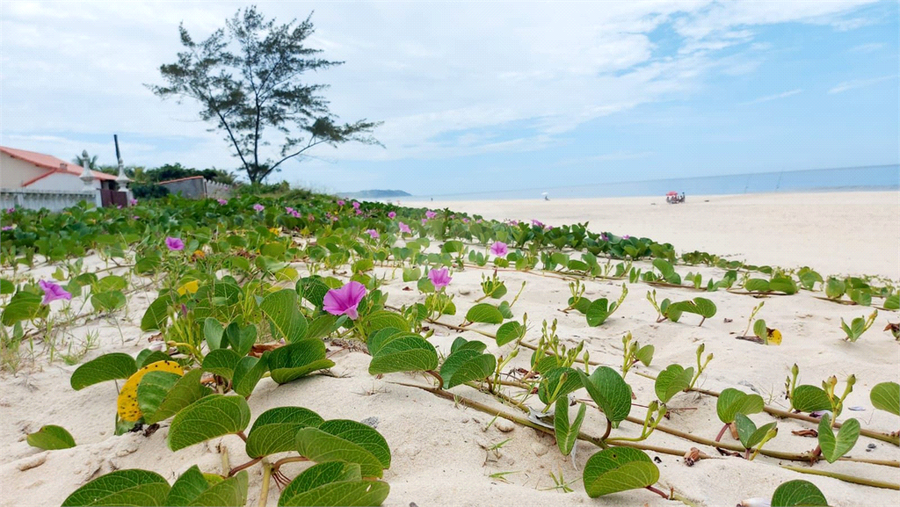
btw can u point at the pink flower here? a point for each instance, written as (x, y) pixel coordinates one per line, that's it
(514, 223)
(392, 215)
(134, 202)
(223, 202)
(135, 217)
(358, 211)
(626, 237)
(373, 233)
(118, 206)
(11, 210)
(439, 277)
(499, 249)
(174, 244)
(6, 228)
(479, 221)
(430, 214)
(465, 220)
(404, 228)
(355, 205)
(537, 223)
(258, 207)
(344, 301)
(424, 221)
(52, 292)
(289, 210)
(604, 237)
(341, 202)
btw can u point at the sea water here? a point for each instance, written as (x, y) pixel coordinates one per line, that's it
(882, 177)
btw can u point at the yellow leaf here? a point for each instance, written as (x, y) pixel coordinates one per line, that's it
(127, 403)
(190, 287)
(199, 254)
(774, 337)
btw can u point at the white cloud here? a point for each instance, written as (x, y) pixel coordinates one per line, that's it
(854, 84)
(776, 96)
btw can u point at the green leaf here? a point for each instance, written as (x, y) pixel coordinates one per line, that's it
(297, 360)
(193, 489)
(510, 332)
(806, 398)
(749, 435)
(461, 343)
(886, 396)
(798, 493)
(6, 287)
(405, 353)
(147, 357)
(108, 301)
(757, 285)
(221, 362)
(835, 288)
(704, 307)
(106, 367)
(322, 326)
(241, 339)
(549, 385)
(275, 430)
(361, 434)
(321, 447)
(732, 402)
(833, 447)
(645, 354)
(467, 365)
(50, 438)
(760, 329)
(283, 313)
(566, 433)
(333, 484)
(247, 374)
(209, 417)
(672, 381)
(313, 289)
(611, 393)
(411, 274)
(156, 315)
(138, 488)
(484, 313)
(383, 319)
(212, 333)
(598, 312)
(153, 389)
(187, 390)
(618, 469)
(783, 284)
(892, 302)
(23, 306)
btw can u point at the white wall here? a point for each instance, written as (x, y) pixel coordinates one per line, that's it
(14, 172)
(52, 200)
(62, 181)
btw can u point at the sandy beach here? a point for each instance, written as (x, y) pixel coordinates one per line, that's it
(442, 451)
(834, 232)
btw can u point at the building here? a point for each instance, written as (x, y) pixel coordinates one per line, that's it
(27, 176)
(27, 169)
(195, 187)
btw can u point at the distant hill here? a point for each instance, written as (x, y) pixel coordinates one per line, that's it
(376, 194)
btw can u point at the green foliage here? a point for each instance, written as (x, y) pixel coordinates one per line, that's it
(732, 402)
(484, 313)
(401, 352)
(834, 446)
(333, 483)
(610, 392)
(618, 469)
(859, 326)
(798, 493)
(275, 430)
(209, 417)
(751, 436)
(566, 432)
(284, 315)
(143, 488)
(467, 365)
(886, 396)
(671, 381)
(298, 359)
(106, 367)
(51, 437)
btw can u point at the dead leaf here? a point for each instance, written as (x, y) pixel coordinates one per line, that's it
(806, 433)
(692, 456)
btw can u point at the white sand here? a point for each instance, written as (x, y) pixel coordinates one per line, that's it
(835, 233)
(439, 455)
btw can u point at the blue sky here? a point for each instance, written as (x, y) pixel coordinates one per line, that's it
(488, 96)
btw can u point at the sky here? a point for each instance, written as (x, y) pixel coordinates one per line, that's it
(483, 96)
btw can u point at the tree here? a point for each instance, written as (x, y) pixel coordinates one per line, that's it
(247, 79)
(91, 161)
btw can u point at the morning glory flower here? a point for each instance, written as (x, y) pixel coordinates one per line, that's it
(344, 301)
(174, 244)
(604, 237)
(258, 207)
(499, 249)
(6, 228)
(373, 233)
(52, 292)
(134, 202)
(341, 202)
(392, 215)
(537, 223)
(356, 205)
(626, 237)
(11, 210)
(439, 277)
(404, 228)
(223, 202)
(430, 214)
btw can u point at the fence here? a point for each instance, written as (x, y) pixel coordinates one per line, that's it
(53, 200)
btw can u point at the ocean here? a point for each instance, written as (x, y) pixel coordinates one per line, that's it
(881, 177)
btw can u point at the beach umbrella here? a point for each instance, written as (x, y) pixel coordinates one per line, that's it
(672, 193)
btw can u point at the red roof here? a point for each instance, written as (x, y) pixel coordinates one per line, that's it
(51, 163)
(180, 179)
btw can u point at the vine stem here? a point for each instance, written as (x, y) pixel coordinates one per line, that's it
(264, 489)
(844, 477)
(884, 437)
(244, 466)
(658, 492)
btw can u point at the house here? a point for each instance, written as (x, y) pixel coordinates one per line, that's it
(36, 171)
(195, 187)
